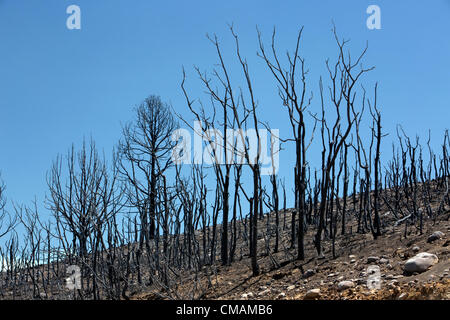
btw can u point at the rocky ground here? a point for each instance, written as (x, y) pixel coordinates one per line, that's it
(412, 267)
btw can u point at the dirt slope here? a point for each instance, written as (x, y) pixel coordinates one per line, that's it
(283, 278)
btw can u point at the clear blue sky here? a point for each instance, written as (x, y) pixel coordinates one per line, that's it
(58, 85)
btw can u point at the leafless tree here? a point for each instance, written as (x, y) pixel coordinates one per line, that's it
(81, 193)
(7, 222)
(292, 89)
(344, 76)
(144, 156)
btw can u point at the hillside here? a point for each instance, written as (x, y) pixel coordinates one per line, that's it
(284, 278)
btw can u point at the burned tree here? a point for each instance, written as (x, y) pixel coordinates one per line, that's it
(342, 93)
(237, 109)
(376, 132)
(220, 145)
(7, 222)
(144, 154)
(293, 93)
(83, 194)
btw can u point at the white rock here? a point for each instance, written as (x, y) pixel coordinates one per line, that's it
(331, 275)
(291, 288)
(312, 294)
(402, 296)
(267, 291)
(420, 262)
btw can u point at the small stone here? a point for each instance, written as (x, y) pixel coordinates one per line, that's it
(372, 259)
(402, 296)
(353, 261)
(308, 273)
(415, 249)
(435, 236)
(384, 261)
(392, 284)
(312, 294)
(281, 295)
(343, 285)
(352, 256)
(262, 293)
(291, 288)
